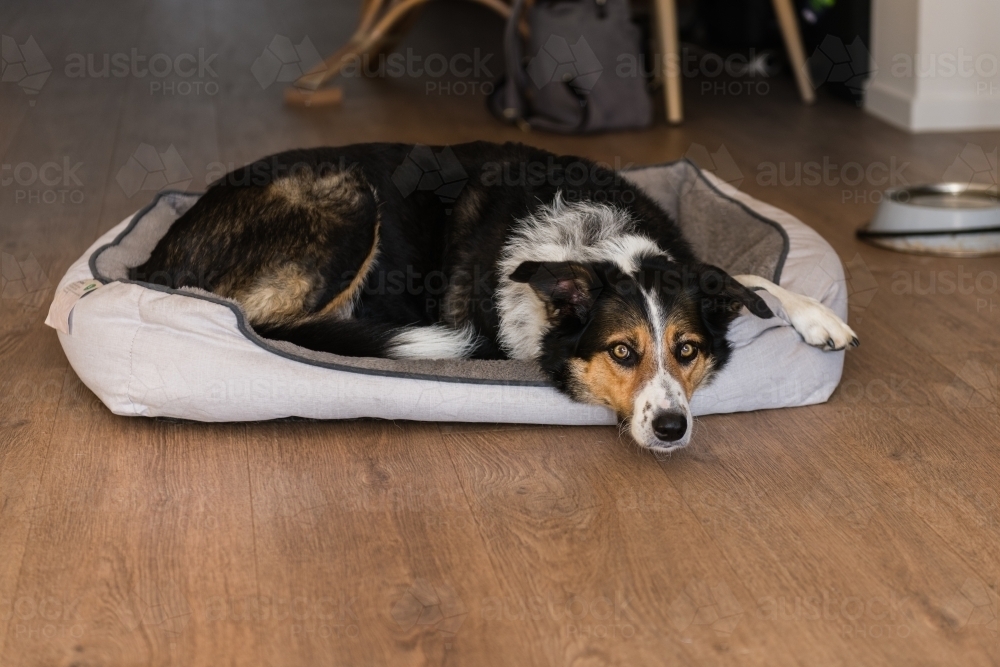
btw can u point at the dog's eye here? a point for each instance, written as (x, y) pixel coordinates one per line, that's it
(623, 354)
(687, 352)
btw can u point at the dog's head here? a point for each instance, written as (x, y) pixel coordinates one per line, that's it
(640, 343)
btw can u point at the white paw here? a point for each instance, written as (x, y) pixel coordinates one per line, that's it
(818, 325)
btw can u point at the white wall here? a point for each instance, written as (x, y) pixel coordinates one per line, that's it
(937, 64)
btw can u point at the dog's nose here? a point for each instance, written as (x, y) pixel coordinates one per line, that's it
(670, 426)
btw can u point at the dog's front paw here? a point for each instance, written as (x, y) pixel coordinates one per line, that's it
(819, 326)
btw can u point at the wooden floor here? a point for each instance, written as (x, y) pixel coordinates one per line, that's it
(862, 531)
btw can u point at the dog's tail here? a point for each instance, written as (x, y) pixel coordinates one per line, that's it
(371, 338)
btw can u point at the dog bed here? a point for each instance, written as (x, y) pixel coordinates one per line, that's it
(151, 351)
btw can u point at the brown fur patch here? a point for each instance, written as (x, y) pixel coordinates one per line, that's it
(468, 207)
(277, 295)
(456, 306)
(691, 375)
(608, 382)
(305, 189)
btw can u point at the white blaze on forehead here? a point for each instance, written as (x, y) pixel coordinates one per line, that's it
(663, 391)
(657, 322)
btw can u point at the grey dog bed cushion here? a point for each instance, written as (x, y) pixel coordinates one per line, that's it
(726, 228)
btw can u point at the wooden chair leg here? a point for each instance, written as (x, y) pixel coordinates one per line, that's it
(796, 53)
(382, 24)
(670, 55)
(395, 35)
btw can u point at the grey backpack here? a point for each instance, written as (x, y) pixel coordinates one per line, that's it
(572, 82)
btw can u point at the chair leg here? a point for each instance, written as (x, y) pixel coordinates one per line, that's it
(666, 28)
(382, 23)
(796, 53)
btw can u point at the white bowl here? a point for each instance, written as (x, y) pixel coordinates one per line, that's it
(954, 219)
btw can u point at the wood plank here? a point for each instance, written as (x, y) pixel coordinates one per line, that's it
(364, 532)
(126, 506)
(558, 505)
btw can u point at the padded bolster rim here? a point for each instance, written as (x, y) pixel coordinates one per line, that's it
(786, 241)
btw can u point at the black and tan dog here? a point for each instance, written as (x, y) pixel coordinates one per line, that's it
(476, 251)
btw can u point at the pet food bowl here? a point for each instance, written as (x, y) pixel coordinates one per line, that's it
(952, 219)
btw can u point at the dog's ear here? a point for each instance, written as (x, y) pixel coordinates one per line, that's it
(569, 289)
(724, 296)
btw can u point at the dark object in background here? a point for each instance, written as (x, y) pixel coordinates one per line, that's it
(835, 34)
(570, 82)
(739, 24)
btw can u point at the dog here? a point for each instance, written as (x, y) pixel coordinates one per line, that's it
(337, 250)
